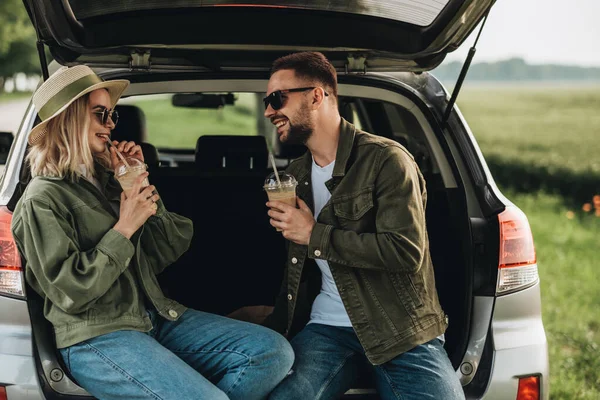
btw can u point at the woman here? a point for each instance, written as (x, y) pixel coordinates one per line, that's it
(93, 254)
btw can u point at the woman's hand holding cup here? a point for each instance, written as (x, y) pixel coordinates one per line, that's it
(137, 205)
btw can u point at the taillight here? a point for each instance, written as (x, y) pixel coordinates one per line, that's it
(517, 266)
(529, 388)
(11, 275)
(3, 393)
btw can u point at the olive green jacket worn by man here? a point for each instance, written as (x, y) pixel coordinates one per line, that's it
(372, 232)
(93, 280)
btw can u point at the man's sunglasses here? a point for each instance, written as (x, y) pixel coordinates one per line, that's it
(276, 98)
(105, 114)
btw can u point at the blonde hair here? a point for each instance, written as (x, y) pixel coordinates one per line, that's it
(61, 152)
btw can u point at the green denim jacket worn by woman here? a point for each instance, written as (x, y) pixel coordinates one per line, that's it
(373, 234)
(93, 279)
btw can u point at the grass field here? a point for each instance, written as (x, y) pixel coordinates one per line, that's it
(554, 127)
(536, 138)
(5, 97)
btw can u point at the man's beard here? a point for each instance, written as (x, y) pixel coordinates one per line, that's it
(300, 131)
(298, 134)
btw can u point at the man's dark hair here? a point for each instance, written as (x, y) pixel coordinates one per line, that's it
(310, 65)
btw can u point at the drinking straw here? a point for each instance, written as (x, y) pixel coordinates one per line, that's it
(274, 168)
(272, 159)
(121, 155)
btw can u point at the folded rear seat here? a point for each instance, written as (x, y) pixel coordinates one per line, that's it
(236, 257)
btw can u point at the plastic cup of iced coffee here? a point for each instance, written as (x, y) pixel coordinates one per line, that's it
(283, 190)
(127, 171)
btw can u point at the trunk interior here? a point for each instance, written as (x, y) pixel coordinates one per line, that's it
(236, 257)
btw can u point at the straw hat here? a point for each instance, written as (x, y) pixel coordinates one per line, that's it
(63, 88)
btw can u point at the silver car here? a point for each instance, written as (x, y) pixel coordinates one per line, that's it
(192, 62)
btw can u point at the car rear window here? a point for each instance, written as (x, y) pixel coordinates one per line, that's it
(179, 127)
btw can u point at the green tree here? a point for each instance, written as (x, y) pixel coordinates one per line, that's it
(17, 41)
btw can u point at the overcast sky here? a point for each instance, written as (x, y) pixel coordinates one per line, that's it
(540, 31)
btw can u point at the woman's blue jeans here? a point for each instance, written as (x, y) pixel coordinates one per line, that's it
(199, 356)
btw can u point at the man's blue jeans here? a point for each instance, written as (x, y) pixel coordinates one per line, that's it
(200, 356)
(329, 358)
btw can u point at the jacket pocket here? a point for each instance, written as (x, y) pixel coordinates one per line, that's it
(354, 211)
(407, 291)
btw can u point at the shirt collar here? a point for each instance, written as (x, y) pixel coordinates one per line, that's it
(345, 145)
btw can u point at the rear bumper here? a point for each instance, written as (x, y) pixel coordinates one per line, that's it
(520, 346)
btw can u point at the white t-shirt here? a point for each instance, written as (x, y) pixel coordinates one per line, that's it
(327, 308)
(90, 177)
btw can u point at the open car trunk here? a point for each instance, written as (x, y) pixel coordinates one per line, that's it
(236, 258)
(221, 35)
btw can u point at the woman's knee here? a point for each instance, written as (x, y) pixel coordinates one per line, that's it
(285, 353)
(282, 350)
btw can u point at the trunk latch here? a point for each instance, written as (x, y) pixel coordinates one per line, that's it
(356, 64)
(139, 60)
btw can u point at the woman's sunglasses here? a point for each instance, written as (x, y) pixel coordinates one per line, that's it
(105, 114)
(276, 99)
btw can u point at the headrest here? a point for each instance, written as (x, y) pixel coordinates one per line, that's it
(150, 154)
(132, 124)
(240, 153)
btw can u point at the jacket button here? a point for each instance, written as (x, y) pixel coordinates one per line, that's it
(306, 183)
(173, 313)
(294, 260)
(290, 297)
(317, 253)
(127, 262)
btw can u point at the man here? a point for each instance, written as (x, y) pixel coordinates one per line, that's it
(359, 284)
